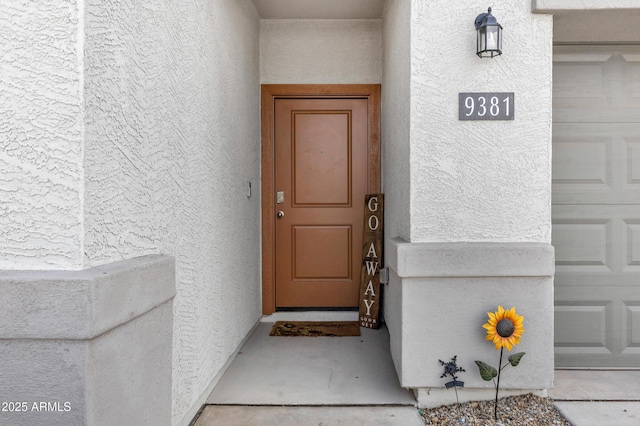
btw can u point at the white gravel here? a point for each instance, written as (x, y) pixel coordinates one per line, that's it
(529, 410)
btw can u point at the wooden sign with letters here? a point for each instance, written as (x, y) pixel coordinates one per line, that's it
(370, 297)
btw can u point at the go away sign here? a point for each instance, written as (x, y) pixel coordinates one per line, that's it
(370, 296)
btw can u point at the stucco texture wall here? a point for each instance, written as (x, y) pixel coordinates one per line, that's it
(396, 149)
(396, 146)
(40, 135)
(318, 51)
(479, 180)
(172, 138)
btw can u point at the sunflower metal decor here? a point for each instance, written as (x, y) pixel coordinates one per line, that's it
(504, 329)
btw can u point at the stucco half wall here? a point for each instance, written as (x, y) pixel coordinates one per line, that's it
(437, 301)
(89, 347)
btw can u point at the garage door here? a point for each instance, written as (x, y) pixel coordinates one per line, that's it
(596, 205)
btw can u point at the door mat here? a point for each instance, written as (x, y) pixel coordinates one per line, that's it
(316, 328)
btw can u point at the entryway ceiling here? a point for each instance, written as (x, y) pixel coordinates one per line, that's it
(319, 9)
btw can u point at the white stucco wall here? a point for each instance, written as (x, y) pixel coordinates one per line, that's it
(479, 180)
(441, 292)
(98, 339)
(132, 128)
(342, 51)
(477, 191)
(40, 135)
(396, 147)
(172, 138)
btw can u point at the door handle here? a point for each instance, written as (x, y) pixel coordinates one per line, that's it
(280, 214)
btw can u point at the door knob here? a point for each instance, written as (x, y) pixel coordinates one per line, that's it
(280, 214)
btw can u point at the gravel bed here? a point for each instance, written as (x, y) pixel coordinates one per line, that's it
(529, 410)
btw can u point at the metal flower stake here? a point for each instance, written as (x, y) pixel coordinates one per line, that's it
(451, 369)
(504, 328)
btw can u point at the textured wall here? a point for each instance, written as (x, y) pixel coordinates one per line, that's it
(480, 180)
(426, 307)
(132, 170)
(98, 339)
(395, 119)
(429, 281)
(172, 136)
(320, 51)
(129, 372)
(40, 135)
(396, 148)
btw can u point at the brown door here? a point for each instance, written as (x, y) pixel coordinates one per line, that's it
(321, 172)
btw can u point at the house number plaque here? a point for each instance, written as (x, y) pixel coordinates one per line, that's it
(485, 106)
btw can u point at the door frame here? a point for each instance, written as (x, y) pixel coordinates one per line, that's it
(271, 92)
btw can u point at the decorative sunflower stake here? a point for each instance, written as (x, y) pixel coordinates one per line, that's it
(504, 329)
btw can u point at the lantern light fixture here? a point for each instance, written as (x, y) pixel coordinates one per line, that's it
(489, 34)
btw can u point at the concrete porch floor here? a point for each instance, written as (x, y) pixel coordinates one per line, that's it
(327, 380)
(352, 381)
(312, 371)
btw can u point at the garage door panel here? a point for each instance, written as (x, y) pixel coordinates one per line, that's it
(613, 115)
(633, 161)
(582, 244)
(631, 328)
(596, 326)
(599, 82)
(590, 171)
(597, 238)
(575, 131)
(632, 246)
(583, 280)
(581, 325)
(634, 62)
(596, 205)
(591, 197)
(596, 163)
(580, 76)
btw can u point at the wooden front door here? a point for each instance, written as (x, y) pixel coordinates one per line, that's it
(321, 152)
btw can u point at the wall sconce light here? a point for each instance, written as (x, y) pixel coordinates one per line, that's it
(489, 35)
